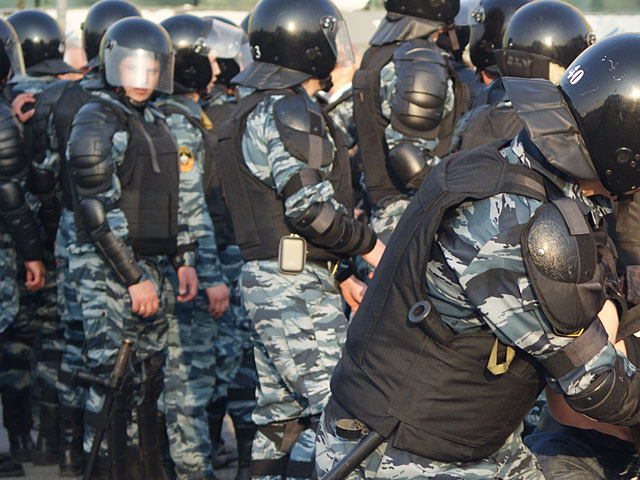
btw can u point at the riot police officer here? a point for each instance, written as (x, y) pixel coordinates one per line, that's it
(408, 99)
(541, 40)
(19, 235)
(286, 179)
(54, 112)
(126, 224)
(467, 319)
(189, 372)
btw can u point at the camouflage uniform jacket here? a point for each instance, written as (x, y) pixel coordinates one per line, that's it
(192, 207)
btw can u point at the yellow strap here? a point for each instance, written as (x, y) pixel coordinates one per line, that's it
(499, 368)
(205, 121)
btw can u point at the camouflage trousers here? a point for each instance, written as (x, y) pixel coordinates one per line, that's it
(9, 303)
(70, 312)
(189, 383)
(107, 319)
(512, 461)
(386, 215)
(236, 376)
(299, 332)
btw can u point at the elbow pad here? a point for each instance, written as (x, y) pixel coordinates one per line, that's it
(19, 221)
(408, 163)
(90, 148)
(115, 251)
(322, 225)
(12, 162)
(612, 397)
(43, 184)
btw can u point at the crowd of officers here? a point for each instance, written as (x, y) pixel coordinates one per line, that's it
(192, 216)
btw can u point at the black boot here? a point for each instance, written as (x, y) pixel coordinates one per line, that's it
(17, 419)
(148, 434)
(244, 439)
(71, 461)
(222, 455)
(9, 467)
(165, 452)
(47, 451)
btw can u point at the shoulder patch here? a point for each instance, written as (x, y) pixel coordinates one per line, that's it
(185, 155)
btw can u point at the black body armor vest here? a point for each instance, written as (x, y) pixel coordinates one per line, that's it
(149, 178)
(257, 211)
(379, 177)
(439, 398)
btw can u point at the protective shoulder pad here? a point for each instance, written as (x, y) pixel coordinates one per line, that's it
(561, 258)
(303, 130)
(12, 161)
(417, 106)
(90, 146)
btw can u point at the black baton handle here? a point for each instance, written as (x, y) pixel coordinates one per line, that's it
(355, 457)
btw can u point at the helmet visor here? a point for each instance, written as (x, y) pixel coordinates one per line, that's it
(335, 29)
(138, 68)
(14, 53)
(222, 41)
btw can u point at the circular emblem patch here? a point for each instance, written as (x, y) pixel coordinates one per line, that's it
(186, 159)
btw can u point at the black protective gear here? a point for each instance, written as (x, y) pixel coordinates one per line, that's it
(303, 130)
(189, 35)
(99, 18)
(438, 10)
(92, 215)
(399, 369)
(72, 434)
(418, 104)
(542, 32)
(263, 76)
(612, 397)
(557, 136)
(229, 67)
(490, 21)
(11, 58)
(140, 39)
(560, 255)
(12, 162)
(259, 233)
(399, 28)
(42, 40)
(90, 148)
(306, 36)
(43, 184)
(18, 219)
(604, 103)
(408, 163)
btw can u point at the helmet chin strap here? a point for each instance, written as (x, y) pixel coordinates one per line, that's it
(326, 83)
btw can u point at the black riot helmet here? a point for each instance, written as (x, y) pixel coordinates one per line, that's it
(488, 23)
(542, 32)
(10, 52)
(437, 10)
(308, 36)
(602, 88)
(100, 17)
(40, 36)
(244, 24)
(136, 52)
(231, 66)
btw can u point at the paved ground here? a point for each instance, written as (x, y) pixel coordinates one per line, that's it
(47, 473)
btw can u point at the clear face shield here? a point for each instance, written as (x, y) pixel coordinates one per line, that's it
(335, 30)
(13, 52)
(138, 68)
(225, 41)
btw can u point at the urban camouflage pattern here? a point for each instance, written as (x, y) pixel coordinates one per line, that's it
(300, 329)
(512, 461)
(386, 215)
(190, 368)
(236, 376)
(70, 312)
(9, 293)
(342, 113)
